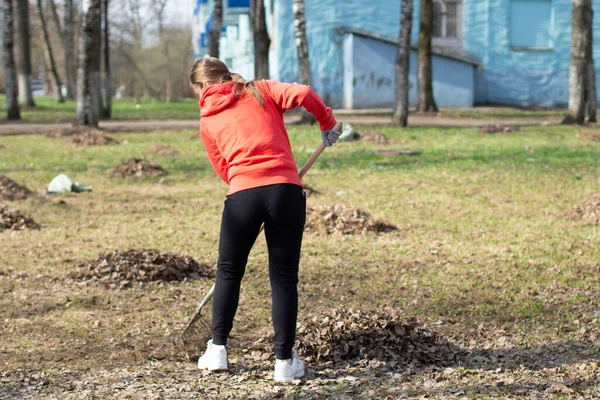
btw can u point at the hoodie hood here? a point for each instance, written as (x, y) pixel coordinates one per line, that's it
(216, 98)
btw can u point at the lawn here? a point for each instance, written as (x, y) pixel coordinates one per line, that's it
(47, 110)
(483, 257)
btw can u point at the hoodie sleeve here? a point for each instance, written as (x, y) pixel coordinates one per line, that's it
(214, 155)
(291, 95)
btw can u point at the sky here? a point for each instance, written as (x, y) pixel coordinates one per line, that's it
(181, 11)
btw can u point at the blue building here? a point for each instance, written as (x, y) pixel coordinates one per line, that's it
(509, 52)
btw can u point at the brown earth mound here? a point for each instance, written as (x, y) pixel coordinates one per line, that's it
(347, 335)
(341, 219)
(11, 190)
(587, 211)
(162, 150)
(139, 168)
(124, 268)
(13, 220)
(499, 128)
(373, 137)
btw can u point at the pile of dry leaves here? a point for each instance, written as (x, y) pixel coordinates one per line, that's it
(340, 335)
(499, 128)
(138, 167)
(162, 150)
(123, 268)
(587, 211)
(341, 219)
(591, 136)
(13, 220)
(11, 190)
(375, 137)
(82, 135)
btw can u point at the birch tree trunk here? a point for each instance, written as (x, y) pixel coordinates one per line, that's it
(58, 97)
(24, 55)
(107, 72)
(214, 36)
(400, 117)
(12, 103)
(86, 104)
(262, 42)
(579, 63)
(304, 72)
(590, 77)
(425, 74)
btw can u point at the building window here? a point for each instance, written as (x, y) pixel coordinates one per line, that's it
(447, 22)
(531, 24)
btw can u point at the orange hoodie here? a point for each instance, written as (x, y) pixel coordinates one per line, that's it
(247, 144)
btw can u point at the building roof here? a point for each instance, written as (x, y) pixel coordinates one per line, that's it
(454, 53)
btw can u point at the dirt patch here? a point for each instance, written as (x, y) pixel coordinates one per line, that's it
(139, 168)
(348, 335)
(375, 137)
(341, 219)
(3, 148)
(13, 220)
(11, 190)
(123, 268)
(162, 150)
(499, 128)
(587, 211)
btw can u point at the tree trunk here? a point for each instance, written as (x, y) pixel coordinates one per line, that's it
(304, 72)
(400, 117)
(97, 67)
(214, 35)
(69, 50)
(425, 74)
(50, 57)
(24, 55)
(86, 104)
(579, 64)
(107, 73)
(12, 103)
(590, 73)
(262, 42)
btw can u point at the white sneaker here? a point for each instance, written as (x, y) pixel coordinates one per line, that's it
(287, 370)
(214, 358)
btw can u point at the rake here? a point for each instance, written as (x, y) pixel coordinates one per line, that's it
(198, 322)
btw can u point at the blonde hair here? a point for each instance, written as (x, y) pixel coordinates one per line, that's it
(211, 70)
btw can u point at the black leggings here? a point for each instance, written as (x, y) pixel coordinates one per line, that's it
(282, 208)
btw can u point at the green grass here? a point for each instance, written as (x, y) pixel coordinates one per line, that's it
(482, 246)
(47, 110)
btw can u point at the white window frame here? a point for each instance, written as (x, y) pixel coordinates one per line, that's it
(443, 40)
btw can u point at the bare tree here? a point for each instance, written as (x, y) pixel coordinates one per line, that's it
(425, 74)
(49, 56)
(24, 55)
(107, 112)
(214, 36)
(400, 116)
(159, 10)
(86, 103)
(12, 104)
(262, 42)
(65, 32)
(580, 26)
(97, 66)
(302, 50)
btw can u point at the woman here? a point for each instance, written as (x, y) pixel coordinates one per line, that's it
(247, 144)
